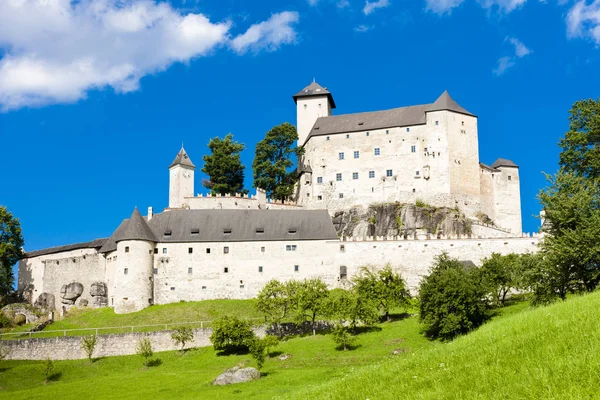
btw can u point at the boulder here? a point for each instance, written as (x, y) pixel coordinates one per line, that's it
(82, 302)
(98, 289)
(70, 293)
(20, 319)
(45, 301)
(237, 375)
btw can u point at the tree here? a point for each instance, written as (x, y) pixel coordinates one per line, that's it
(344, 307)
(502, 273)
(581, 145)
(257, 350)
(310, 300)
(224, 166)
(182, 335)
(275, 301)
(144, 349)
(47, 367)
(270, 341)
(384, 287)
(11, 244)
(342, 336)
(452, 299)
(88, 344)
(232, 334)
(273, 162)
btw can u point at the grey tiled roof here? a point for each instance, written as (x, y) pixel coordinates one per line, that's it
(488, 167)
(134, 228)
(314, 89)
(502, 162)
(182, 159)
(396, 117)
(94, 244)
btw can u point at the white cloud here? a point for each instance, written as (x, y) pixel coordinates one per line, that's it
(268, 35)
(372, 6)
(504, 63)
(442, 6)
(520, 49)
(362, 28)
(505, 6)
(54, 51)
(584, 21)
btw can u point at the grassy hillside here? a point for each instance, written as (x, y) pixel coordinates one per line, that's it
(545, 353)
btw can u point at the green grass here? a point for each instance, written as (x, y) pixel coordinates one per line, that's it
(545, 353)
(208, 310)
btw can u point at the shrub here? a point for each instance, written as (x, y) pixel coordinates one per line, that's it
(342, 337)
(47, 367)
(257, 350)
(144, 349)
(232, 334)
(182, 335)
(270, 341)
(6, 322)
(88, 344)
(452, 299)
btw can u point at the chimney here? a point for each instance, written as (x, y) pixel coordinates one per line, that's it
(150, 213)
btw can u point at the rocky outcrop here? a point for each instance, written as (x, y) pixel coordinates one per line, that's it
(45, 301)
(99, 294)
(237, 375)
(21, 313)
(70, 293)
(402, 220)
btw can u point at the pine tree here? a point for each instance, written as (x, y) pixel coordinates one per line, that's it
(224, 166)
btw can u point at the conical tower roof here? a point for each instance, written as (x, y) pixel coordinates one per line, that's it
(135, 228)
(182, 159)
(445, 102)
(314, 89)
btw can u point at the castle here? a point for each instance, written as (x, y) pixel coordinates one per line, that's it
(207, 247)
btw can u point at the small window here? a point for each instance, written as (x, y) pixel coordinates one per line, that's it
(203, 287)
(190, 250)
(387, 132)
(425, 150)
(509, 178)
(342, 248)
(307, 194)
(226, 270)
(463, 123)
(371, 174)
(207, 250)
(437, 122)
(225, 250)
(347, 136)
(288, 248)
(155, 271)
(367, 133)
(164, 250)
(388, 172)
(355, 175)
(260, 230)
(319, 197)
(357, 154)
(156, 250)
(125, 271)
(260, 268)
(172, 287)
(319, 179)
(242, 286)
(413, 149)
(168, 232)
(126, 249)
(341, 195)
(296, 268)
(414, 190)
(227, 231)
(343, 272)
(327, 137)
(190, 270)
(407, 129)
(341, 156)
(417, 173)
(338, 177)
(195, 231)
(291, 231)
(377, 151)
(262, 249)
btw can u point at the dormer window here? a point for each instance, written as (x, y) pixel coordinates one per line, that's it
(227, 231)
(168, 232)
(260, 230)
(292, 231)
(195, 231)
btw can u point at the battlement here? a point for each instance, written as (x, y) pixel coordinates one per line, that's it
(423, 236)
(237, 201)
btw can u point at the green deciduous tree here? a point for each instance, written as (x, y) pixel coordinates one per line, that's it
(273, 162)
(224, 166)
(11, 244)
(452, 299)
(342, 336)
(311, 295)
(347, 308)
(501, 274)
(88, 345)
(182, 335)
(144, 349)
(270, 341)
(46, 367)
(257, 351)
(384, 287)
(232, 334)
(276, 301)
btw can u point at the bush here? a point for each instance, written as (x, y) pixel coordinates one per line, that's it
(257, 350)
(342, 337)
(46, 368)
(232, 334)
(182, 335)
(270, 341)
(452, 299)
(88, 344)
(144, 349)
(6, 322)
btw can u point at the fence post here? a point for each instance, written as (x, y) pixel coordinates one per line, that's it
(131, 328)
(30, 335)
(65, 333)
(201, 324)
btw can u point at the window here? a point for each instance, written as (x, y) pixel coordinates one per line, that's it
(342, 248)
(226, 231)
(407, 129)
(341, 195)
(510, 178)
(195, 231)
(189, 270)
(207, 250)
(262, 249)
(296, 268)
(155, 271)
(413, 149)
(437, 122)
(341, 156)
(319, 179)
(371, 174)
(126, 271)
(319, 197)
(425, 149)
(357, 154)
(463, 123)
(260, 230)
(338, 177)
(387, 132)
(347, 136)
(367, 133)
(377, 151)
(388, 172)
(290, 247)
(126, 249)
(203, 287)
(156, 250)
(164, 250)
(291, 231)
(260, 269)
(343, 272)
(417, 173)
(226, 270)
(327, 138)
(168, 232)
(242, 286)
(226, 250)
(190, 250)
(355, 175)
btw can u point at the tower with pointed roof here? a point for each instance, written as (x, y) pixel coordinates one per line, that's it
(312, 102)
(181, 179)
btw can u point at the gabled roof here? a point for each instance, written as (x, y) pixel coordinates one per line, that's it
(445, 102)
(503, 162)
(94, 244)
(314, 89)
(182, 159)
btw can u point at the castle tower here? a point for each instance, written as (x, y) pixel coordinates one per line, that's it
(508, 196)
(312, 102)
(134, 271)
(181, 179)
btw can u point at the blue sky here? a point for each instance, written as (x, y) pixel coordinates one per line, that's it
(96, 96)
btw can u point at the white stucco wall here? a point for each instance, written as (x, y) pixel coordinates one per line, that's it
(308, 109)
(133, 276)
(181, 185)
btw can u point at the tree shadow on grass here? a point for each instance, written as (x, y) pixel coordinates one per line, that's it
(154, 363)
(359, 330)
(95, 360)
(274, 354)
(349, 347)
(4, 369)
(398, 317)
(238, 351)
(54, 377)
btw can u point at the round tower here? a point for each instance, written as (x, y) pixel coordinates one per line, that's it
(134, 273)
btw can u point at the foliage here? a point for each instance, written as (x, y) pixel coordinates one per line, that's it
(342, 336)
(421, 204)
(347, 307)
(257, 351)
(273, 162)
(275, 302)
(385, 287)
(182, 335)
(3, 351)
(580, 153)
(224, 166)
(88, 345)
(502, 273)
(5, 321)
(270, 341)
(46, 367)
(311, 295)
(11, 244)
(452, 299)
(232, 334)
(144, 349)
